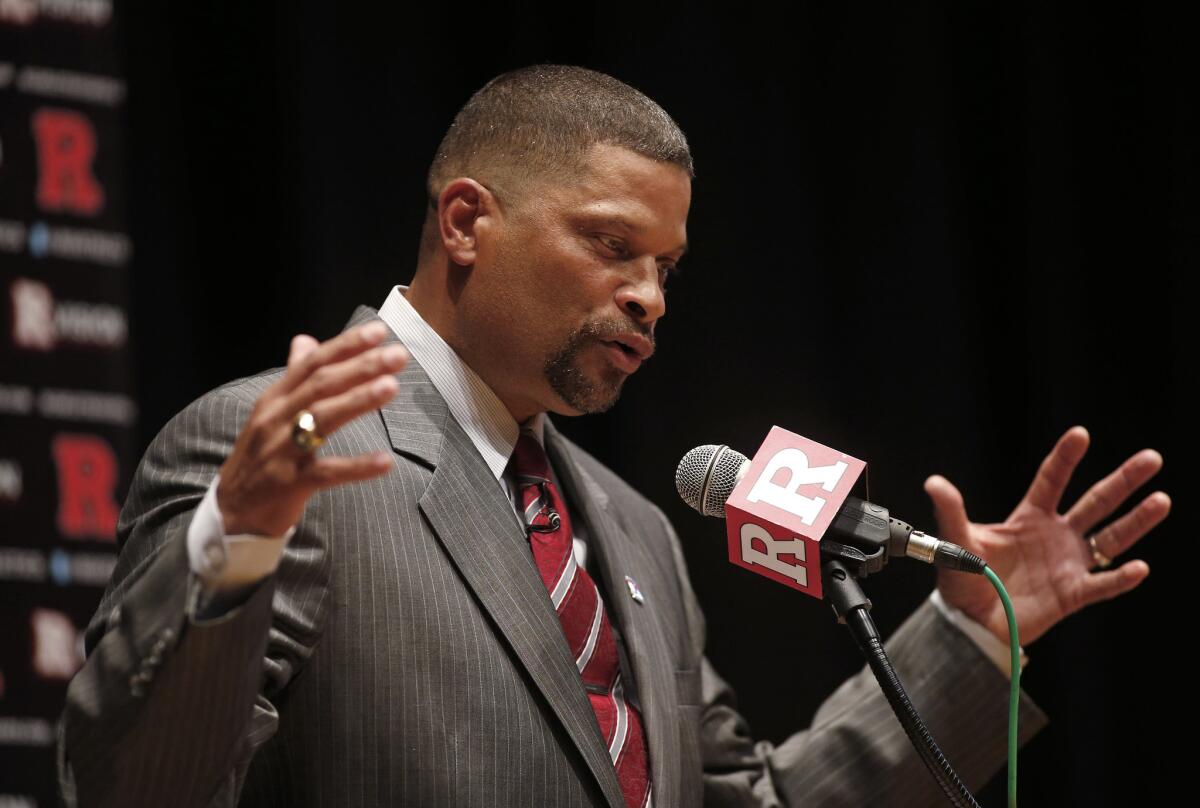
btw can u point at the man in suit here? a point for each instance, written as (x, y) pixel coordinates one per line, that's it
(334, 585)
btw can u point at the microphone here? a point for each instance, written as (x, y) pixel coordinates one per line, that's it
(788, 513)
(774, 529)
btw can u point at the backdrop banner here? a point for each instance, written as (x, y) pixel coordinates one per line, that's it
(66, 410)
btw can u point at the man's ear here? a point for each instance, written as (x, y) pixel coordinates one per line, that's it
(465, 208)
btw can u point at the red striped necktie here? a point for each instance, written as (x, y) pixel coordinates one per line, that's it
(583, 616)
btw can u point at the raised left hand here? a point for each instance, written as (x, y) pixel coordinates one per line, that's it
(1043, 557)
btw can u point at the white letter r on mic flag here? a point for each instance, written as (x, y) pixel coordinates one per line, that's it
(785, 497)
(774, 548)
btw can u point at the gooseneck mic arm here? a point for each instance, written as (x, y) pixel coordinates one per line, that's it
(852, 608)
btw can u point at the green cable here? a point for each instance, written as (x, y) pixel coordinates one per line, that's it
(1014, 693)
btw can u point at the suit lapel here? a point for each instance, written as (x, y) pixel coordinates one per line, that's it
(619, 555)
(480, 532)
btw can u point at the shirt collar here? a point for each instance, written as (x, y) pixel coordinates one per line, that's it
(474, 405)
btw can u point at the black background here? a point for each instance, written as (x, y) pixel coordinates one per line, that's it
(932, 237)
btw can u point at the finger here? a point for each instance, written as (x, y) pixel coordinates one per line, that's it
(348, 343)
(332, 413)
(949, 510)
(302, 345)
(327, 472)
(376, 384)
(1106, 585)
(1046, 490)
(1122, 534)
(1103, 498)
(334, 379)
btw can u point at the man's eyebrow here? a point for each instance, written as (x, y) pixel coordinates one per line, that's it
(624, 224)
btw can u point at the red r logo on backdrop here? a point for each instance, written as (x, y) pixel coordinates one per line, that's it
(66, 148)
(87, 483)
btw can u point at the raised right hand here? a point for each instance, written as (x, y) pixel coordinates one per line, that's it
(267, 479)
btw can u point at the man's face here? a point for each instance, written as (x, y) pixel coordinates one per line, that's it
(569, 284)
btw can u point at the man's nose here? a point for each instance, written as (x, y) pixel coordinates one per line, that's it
(642, 298)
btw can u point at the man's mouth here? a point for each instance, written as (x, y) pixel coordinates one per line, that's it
(634, 345)
(628, 352)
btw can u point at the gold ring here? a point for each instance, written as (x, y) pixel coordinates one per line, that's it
(304, 432)
(1100, 558)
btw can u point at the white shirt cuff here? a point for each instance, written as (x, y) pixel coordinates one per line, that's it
(988, 643)
(225, 562)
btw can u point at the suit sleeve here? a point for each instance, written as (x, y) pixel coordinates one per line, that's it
(855, 753)
(169, 708)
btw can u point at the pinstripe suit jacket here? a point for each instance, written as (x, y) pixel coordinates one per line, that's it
(406, 652)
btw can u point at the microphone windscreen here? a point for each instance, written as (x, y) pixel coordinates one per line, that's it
(707, 475)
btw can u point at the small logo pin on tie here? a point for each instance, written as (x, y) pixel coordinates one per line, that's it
(634, 592)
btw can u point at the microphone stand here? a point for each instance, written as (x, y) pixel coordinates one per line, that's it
(839, 566)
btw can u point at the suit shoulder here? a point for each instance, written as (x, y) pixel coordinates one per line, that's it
(248, 388)
(221, 409)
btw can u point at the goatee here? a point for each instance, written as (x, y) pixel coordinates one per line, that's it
(573, 384)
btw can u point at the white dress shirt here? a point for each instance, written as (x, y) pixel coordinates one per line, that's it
(225, 563)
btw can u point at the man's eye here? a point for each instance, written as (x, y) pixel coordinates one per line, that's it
(615, 245)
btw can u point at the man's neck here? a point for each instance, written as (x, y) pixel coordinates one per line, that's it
(434, 310)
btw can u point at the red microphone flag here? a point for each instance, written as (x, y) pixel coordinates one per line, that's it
(776, 515)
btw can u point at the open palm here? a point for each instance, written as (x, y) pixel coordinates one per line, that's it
(1043, 556)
